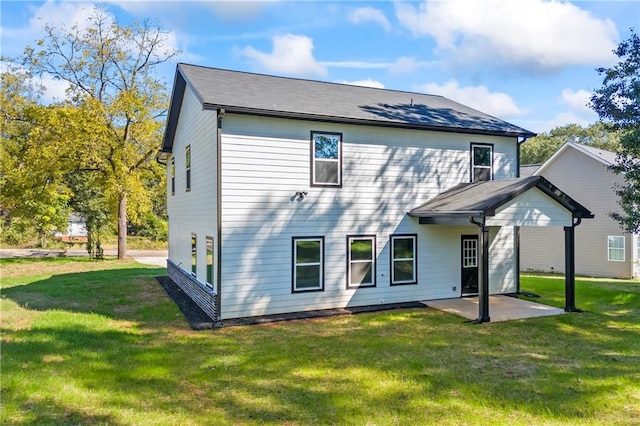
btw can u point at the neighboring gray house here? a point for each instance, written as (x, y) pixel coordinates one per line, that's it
(76, 228)
(289, 195)
(604, 249)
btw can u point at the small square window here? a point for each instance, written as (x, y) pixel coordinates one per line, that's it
(326, 159)
(308, 264)
(361, 268)
(481, 162)
(615, 248)
(403, 259)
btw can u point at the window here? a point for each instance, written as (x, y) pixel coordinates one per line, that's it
(308, 264)
(210, 261)
(361, 268)
(615, 248)
(481, 162)
(326, 161)
(194, 254)
(403, 259)
(173, 176)
(188, 166)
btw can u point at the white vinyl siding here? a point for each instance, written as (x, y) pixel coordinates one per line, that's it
(385, 173)
(615, 248)
(194, 211)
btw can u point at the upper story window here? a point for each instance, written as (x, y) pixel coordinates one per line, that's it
(481, 162)
(361, 268)
(615, 248)
(188, 166)
(326, 159)
(308, 263)
(173, 175)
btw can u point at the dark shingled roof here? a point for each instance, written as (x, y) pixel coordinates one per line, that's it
(259, 94)
(484, 198)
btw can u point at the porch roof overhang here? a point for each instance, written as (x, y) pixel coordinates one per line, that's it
(479, 200)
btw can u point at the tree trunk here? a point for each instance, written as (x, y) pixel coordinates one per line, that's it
(122, 226)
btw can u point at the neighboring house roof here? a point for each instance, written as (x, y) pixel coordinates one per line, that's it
(258, 94)
(527, 170)
(483, 198)
(603, 156)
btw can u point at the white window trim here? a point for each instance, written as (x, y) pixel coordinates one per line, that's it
(609, 248)
(350, 262)
(414, 279)
(294, 284)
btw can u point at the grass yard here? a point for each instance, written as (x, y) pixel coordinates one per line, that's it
(100, 343)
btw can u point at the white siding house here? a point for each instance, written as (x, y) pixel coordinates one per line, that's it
(289, 195)
(604, 248)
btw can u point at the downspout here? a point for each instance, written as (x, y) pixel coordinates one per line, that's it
(483, 249)
(516, 229)
(219, 117)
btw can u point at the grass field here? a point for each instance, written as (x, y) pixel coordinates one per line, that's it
(100, 343)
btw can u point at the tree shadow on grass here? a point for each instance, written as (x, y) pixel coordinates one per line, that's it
(406, 366)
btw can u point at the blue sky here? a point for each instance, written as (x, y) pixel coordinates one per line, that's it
(530, 62)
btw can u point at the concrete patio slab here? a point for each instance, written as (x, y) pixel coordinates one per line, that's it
(501, 308)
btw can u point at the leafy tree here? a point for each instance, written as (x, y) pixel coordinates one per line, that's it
(617, 103)
(538, 149)
(110, 69)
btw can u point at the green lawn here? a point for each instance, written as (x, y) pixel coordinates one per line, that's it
(87, 342)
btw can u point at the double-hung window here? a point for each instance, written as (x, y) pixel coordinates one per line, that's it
(481, 162)
(615, 248)
(194, 254)
(188, 166)
(209, 261)
(326, 159)
(361, 268)
(308, 264)
(173, 175)
(403, 259)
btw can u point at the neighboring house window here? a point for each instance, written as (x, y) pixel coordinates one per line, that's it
(615, 248)
(308, 263)
(403, 259)
(210, 261)
(361, 267)
(173, 176)
(326, 159)
(194, 254)
(188, 163)
(481, 162)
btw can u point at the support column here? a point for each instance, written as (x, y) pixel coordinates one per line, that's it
(483, 297)
(569, 269)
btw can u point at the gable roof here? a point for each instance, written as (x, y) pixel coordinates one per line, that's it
(259, 94)
(603, 156)
(484, 198)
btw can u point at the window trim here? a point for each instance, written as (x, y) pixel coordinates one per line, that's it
(373, 262)
(294, 264)
(188, 167)
(392, 280)
(194, 254)
(210, 257)
(173, 175)
(471, 158)
(611, 238)
(312, 155)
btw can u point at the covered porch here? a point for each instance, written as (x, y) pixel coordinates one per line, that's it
(531, 201)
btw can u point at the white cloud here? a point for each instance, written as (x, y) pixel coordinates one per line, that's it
(369, 14)
(365, 83)
(535, 34)
(403, 64)
(64, 15)
(292, 54)
(479, 97)
(575, 110)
